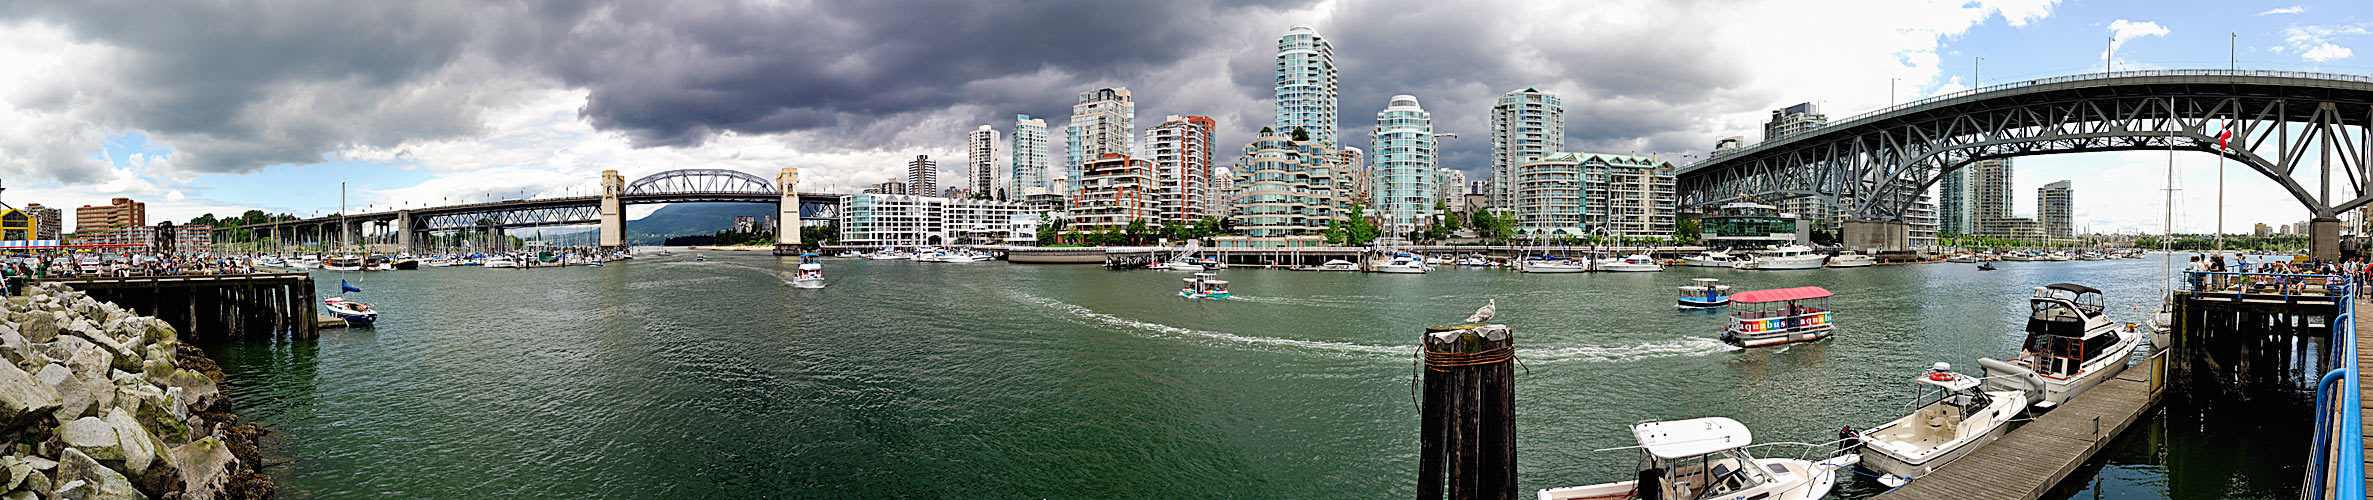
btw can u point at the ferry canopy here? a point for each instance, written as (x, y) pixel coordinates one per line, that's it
(1681, 439)
(1780, 295)
(2072, 287)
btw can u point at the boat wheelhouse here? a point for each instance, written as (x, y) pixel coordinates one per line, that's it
(1764, 318)
(811, 272)
(1952, 417)
(1704, 292)
(1706, 458)
(1204, 286)
(2070, 347)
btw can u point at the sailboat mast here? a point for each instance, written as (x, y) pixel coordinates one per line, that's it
(2166, 240)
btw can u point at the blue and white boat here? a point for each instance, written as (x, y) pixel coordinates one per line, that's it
(355, 312)
(1204, 286)
(1703, 293)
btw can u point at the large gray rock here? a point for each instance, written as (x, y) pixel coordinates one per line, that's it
(75, 397)
(206, 468)
(91, 361)
(94, 436)
(121, 356)
(99, 482)
(140, 447)
(14, 347)
(23, 399)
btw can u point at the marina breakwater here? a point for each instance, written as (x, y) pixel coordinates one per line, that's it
(97, 402)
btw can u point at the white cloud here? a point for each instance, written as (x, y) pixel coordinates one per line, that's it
(2285, 10)
(2314, 42)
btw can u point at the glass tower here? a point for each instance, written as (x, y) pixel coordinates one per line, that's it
(1029, 157)
(1306, 85)
(1101, 122)
(1526, 125)
(1402, 150)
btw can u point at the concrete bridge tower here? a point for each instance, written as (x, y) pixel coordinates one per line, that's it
(613, 212)
(787, 213)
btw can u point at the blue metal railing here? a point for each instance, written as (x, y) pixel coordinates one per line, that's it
(2279, 284)
(2339, 446)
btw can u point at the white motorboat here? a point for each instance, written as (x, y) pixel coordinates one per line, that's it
(1712, 258)
(2070, 347)
(1953, 418)
(1177, 265)
(1706, 459)
(1850, 259)
(1635, 263)
(1967, 258)
(888, 254)
(1704, 292)
(1401, 264)
(1339, 265)
(342, 264)
(1765, 318)
(2018, 257)
(963, 257)
(811, 273)
(500, 261)
(1787, 257)
(1548, 265)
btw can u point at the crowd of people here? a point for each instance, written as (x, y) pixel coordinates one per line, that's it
(2354, 271)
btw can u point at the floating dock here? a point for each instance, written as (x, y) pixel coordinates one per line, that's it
(2030, 460)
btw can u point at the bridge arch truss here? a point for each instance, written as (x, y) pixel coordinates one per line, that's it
(2310, 133)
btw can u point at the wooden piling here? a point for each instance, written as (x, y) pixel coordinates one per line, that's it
(1467, 427)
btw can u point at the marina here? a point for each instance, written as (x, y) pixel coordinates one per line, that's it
(1795, 393)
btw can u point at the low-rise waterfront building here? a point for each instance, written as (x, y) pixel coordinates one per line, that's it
(908, 220)
(117, 213)
(2017, 228)
(1115, 190)
(1286, 191)
(1748, 225)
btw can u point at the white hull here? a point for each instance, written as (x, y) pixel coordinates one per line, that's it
(2050, 392)
(1535, 267)
(1703, 262)
(1401, 269)
(1806, 480)
(1886, 451)
(1804, 334)
(1852, 261)
(1789, 262)
(808, 283)
(1619, 267)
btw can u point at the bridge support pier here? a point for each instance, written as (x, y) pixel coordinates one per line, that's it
(1876, 236)
(403, 231)
(613, 212)
(2323, 239)
(787, 213)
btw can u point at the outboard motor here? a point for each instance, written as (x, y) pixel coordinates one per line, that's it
(1650, 485)
(1848, 441)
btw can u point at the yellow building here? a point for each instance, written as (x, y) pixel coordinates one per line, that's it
(15, 225)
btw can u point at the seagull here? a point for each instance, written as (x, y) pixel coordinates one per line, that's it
(1482, 314)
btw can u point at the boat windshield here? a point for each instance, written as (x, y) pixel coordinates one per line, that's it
(1711, 475)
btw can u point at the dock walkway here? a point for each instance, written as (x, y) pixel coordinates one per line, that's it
(2033, 458)
(2364, 349)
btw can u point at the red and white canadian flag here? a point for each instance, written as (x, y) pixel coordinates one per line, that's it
(2222, 136)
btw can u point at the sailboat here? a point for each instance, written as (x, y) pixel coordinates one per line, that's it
(355, 312)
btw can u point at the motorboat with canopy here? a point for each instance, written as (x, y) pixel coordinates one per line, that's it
(2070, 347)
(1764, 318)
(1704, 292)
(1711, 258)
(1635, 263)
(1204, 286)
(811, 272)
(1705, 459)
(1952, 417)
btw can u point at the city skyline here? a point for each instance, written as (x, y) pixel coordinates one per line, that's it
(499, 125)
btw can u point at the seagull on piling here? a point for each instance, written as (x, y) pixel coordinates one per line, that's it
(1490, 307)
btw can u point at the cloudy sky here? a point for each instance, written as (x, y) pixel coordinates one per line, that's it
(219, 107)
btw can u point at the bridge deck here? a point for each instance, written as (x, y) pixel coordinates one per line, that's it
(2030, 460)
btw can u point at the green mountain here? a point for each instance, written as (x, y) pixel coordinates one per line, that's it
(686, 219)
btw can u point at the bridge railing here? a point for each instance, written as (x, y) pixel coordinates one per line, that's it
(2042, 81)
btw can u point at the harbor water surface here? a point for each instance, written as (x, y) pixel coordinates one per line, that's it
(665, 377)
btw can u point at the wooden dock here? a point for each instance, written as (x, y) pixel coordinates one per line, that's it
(209, 306)
(2035, 457)
(2364, 349)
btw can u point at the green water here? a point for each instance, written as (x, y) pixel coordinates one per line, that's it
(670, 378)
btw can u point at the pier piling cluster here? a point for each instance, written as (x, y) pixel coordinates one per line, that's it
(1468, 426)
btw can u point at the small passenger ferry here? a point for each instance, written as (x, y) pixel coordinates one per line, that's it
(1204, 286)
(1703, 293)
(1765, 318)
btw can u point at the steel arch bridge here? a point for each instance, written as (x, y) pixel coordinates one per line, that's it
(700, 184)
(2309, 132)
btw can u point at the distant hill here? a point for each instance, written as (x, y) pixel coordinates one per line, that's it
(684, 219)
(680, 219)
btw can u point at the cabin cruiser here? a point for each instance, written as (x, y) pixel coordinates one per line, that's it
(2070, 347)
(1784, 257)
(1967, 258)
(1764, 318)
(1850, 259)
(342, 264)
(1338, 265)
(500, 261)
(1953, 417)
(1177, 265)
(1706, 459)
(1704, 292)
(963, 257)
(1544, 264)
(1401, 264)
(1204, 286)
(1712, 258)
(1635, 263)
(811, 273)
(890, 254)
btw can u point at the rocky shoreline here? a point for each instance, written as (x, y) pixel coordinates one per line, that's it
(100, 403)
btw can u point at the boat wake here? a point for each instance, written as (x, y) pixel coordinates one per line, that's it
(1085, 316)
(1666, 349)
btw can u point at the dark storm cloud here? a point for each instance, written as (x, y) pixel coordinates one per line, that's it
(244, 86)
